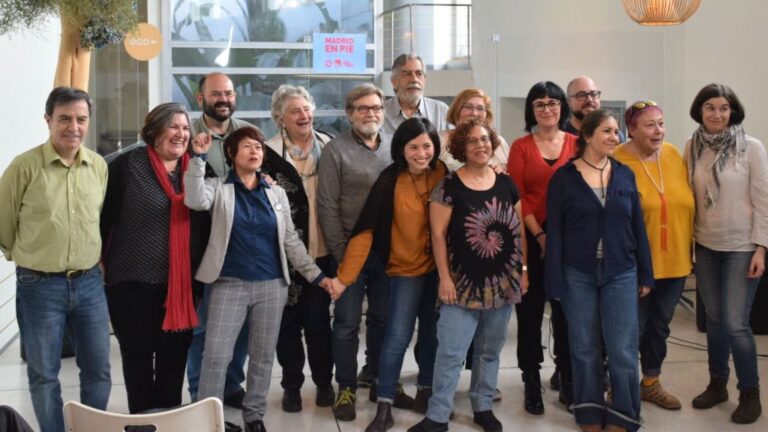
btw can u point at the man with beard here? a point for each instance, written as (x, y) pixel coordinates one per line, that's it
(217, 98)
(349, 165)
(583, 98)
(408, 81)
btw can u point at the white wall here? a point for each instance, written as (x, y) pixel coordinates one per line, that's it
(557, 40)
(27, 84)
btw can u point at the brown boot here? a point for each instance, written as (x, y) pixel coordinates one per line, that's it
(715, 393)
(749, 408)
(591, 428)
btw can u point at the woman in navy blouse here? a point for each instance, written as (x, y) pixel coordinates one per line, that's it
(598, 260)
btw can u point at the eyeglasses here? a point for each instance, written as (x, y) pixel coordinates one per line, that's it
(485, 139)
(474, 108)
(582, 95)
(365, 109)
(643, 105)
(541, 106)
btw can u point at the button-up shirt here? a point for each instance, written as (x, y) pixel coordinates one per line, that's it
(432, 109)
(49, 219)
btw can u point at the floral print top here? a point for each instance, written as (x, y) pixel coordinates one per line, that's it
(484, 243)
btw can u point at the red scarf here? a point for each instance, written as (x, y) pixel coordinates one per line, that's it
(179, 309)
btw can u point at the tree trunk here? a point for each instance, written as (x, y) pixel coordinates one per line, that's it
(74, 61)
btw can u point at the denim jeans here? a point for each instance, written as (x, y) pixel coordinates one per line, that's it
(409, 298)
(596, 307)
(236, 369)
(728, 295)
(348, 312)
(45, 307)
(456, 328)
(655, 312)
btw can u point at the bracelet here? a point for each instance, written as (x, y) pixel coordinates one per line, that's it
(541, 233)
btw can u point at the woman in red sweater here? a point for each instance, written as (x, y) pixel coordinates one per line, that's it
(533, 159)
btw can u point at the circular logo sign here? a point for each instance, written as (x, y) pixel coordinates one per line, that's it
(144, 43)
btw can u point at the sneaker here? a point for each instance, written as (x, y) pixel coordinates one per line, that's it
(291, 401)
(402, 400)
(366, 377)
(487, 421)
(656, 394)
(325, 395)
(428, 425)
(344, 408)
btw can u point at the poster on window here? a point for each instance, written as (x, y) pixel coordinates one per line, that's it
(338, 53)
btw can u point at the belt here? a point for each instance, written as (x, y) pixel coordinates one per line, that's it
(67, 274)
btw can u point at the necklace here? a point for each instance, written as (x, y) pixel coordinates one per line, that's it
(424, 198)
(601, 169)
(659, 188)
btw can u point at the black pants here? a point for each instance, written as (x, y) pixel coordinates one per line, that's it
(530, 313)
(310, 314)
(154, 361)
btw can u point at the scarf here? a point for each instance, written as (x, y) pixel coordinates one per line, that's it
(179, 308)
(726, 144)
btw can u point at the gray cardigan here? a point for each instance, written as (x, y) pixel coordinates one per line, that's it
(219, 197)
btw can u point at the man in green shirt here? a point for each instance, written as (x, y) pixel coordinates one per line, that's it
(49, 226)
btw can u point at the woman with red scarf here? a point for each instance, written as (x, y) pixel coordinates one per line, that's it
(152, 244)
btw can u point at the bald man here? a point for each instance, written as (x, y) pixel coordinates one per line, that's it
(583, 98)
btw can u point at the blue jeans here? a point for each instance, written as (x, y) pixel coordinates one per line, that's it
(456, 328)
(410, 297)
(655, 313)
(236, 368)
(728, 295)
(45, 307)
(596, 307)
(348, 312)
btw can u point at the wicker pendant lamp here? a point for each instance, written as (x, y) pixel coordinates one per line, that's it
(660, 12)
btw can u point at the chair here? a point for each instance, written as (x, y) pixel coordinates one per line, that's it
(206, 415)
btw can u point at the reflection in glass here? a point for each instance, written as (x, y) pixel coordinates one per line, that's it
(268, 20)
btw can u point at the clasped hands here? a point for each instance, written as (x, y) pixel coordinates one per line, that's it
(334, 287)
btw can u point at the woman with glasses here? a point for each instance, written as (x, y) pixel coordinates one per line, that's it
(246, 261)
(299, 145)
(728, 171)
(471, 102)
(533, 160)
(598, 261)
(667, 202)
(479, 249)
(395, 224)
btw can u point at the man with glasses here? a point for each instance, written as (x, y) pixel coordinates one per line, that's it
(217, 99)
(583, 98)
(408, 81)
(349, 165)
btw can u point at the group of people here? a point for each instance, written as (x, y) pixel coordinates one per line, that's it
(213, 245)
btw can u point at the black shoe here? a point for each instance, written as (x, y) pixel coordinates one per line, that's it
(228, 427)
(566, 391)
(533, 403)
(715, 393)
(749, 408)
(235, 400)
(402, 400)
(365, 377)
(554, 380)
(421, 401)
(255, 426)
(487, 421)
(291, 401)
(344, 407)
(428, 425)
(325, 395)
(383, 420)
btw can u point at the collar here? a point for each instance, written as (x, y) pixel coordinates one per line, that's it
(362, 143)
(207, 130)
(50, 155)
(419, 109)
(232, 178)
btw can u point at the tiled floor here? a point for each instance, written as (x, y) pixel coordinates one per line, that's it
(685, 374)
